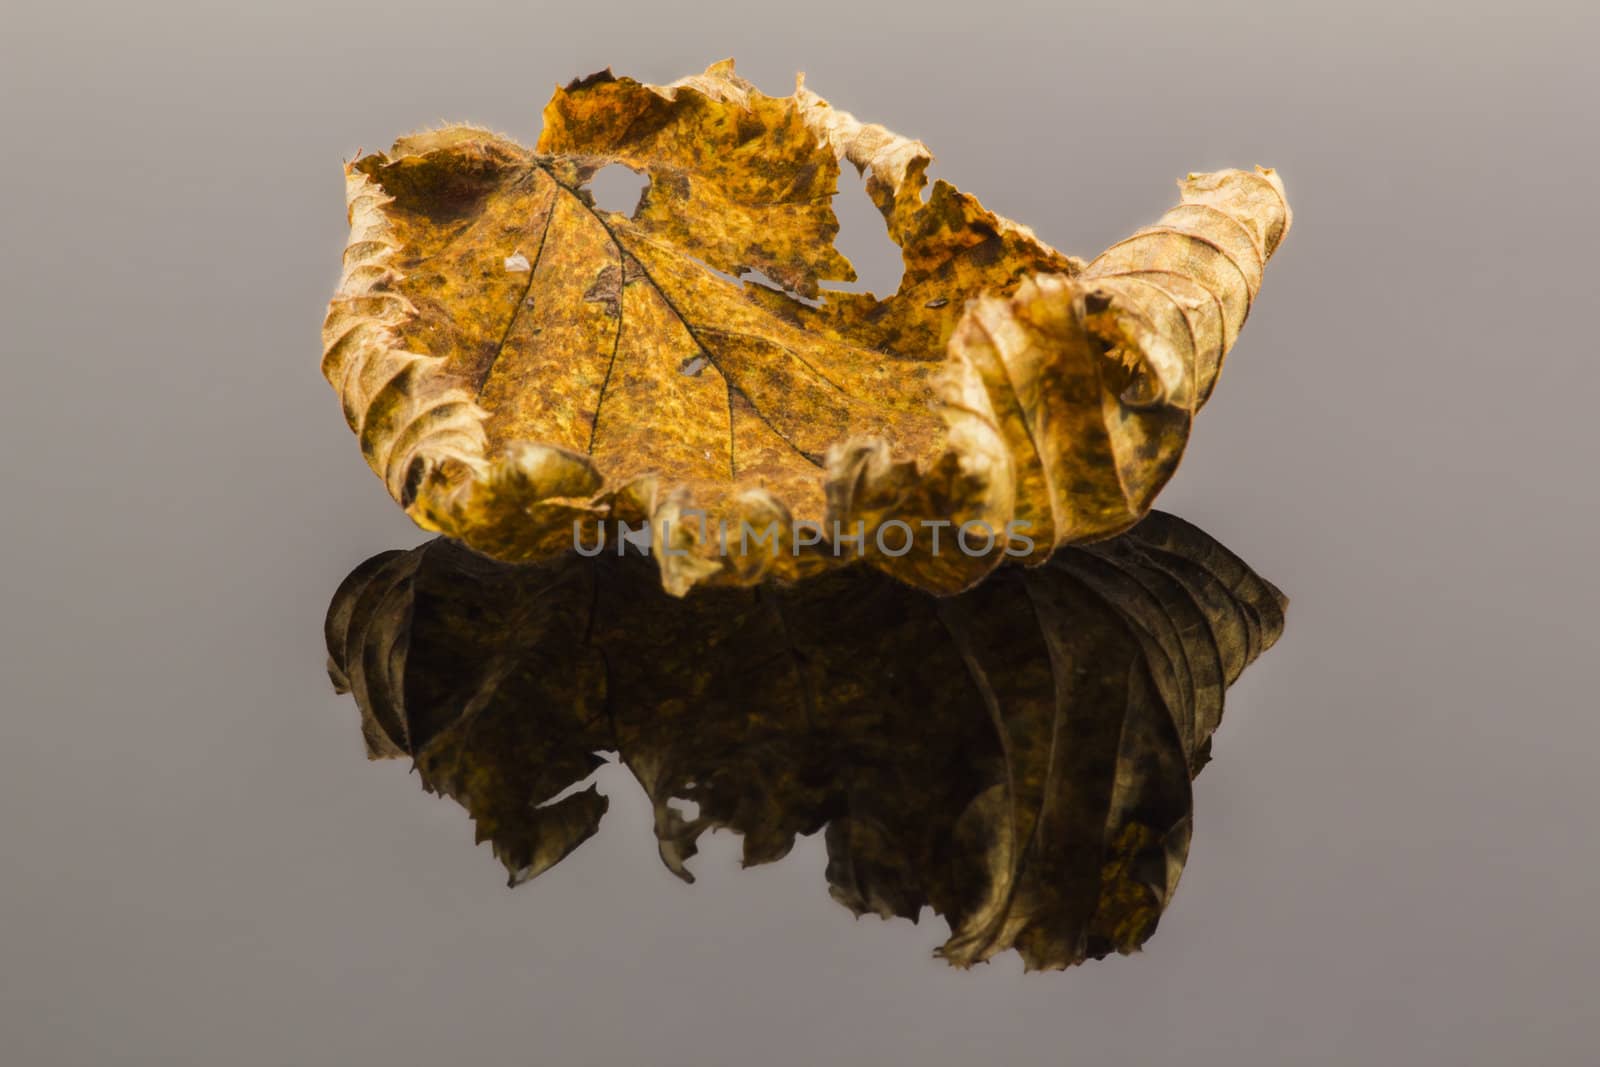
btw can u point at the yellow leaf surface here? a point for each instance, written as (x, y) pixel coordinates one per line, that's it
(526, 370)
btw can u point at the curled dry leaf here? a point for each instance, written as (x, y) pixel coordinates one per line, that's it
(1018, 757)
(519, 363)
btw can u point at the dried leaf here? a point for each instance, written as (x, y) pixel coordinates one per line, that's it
(519, 363)
(1017, 757)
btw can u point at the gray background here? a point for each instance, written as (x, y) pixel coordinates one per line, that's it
(1395, 860)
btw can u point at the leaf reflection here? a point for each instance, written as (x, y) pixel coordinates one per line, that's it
(1018, 757)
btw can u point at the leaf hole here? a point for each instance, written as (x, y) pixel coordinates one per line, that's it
(687, 809)
(582, 785)
(618, 188)
(755, 277)
(748, 277)
(864, 240)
